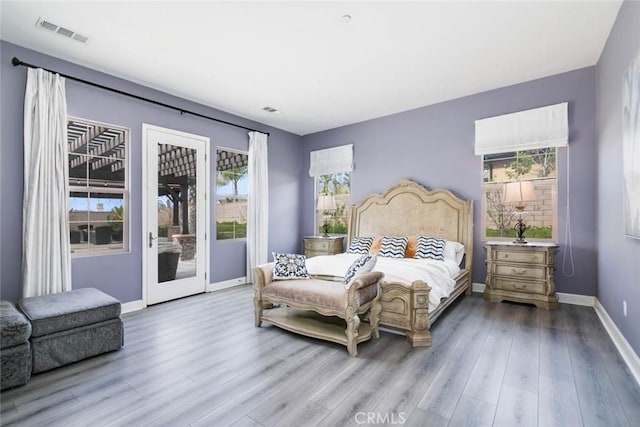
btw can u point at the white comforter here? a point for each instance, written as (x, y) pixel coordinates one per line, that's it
(437, 274)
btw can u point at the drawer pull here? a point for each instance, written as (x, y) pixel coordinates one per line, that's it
(520, 285)
(519, 271)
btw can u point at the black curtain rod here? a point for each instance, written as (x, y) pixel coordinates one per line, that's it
(16, 62)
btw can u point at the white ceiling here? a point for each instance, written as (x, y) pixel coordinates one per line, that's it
(301, 58)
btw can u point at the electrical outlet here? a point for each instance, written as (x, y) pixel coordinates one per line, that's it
(624, 308)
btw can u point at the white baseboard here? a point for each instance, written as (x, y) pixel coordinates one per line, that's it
(478, 287)
(132, 306)
(575, 299)
(226, 284)
(624, 348)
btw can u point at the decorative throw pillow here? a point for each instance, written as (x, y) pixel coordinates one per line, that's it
(360, 245)
(289, 266)
(430, 248)
(362, 265)
(393, 247)
(410, 250)
(375, 246)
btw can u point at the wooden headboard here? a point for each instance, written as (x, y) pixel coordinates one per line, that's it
(408, 209)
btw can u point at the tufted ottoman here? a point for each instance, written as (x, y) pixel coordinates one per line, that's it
(71, 326)
(15, 351)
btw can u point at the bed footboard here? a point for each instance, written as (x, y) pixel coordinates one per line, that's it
(407, 309)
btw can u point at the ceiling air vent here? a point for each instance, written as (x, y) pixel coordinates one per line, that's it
(271, 110)
(61, 30)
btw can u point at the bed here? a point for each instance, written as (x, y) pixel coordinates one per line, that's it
(409, 209)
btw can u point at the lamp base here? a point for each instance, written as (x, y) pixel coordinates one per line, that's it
(520, 228)
(325, 228)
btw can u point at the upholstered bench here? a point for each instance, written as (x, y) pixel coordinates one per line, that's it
(71, 326)
(314, 307)
(15, 351)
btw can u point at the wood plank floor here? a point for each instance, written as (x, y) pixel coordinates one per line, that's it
(200, 361)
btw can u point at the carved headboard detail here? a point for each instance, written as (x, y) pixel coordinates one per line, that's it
(408, 209)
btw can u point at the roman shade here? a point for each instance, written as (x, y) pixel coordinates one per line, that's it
(331, 160)
(525, 130)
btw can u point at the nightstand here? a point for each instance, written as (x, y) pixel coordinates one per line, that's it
(318, 245)
(521, 273)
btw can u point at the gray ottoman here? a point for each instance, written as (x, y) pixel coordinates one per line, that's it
(15, 351)
(72, 326)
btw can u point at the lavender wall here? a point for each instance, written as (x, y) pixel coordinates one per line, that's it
(618, 256)
(121, 275)
(434, 146)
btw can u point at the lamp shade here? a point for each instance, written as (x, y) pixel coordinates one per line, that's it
(326, 203)
(518, 192)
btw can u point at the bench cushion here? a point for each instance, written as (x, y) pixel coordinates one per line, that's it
(14, 328)
(316, 292)
(67, 310)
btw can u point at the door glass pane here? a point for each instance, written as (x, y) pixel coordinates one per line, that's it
(176, 212)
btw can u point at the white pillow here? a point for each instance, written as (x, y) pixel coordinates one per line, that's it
(454, 251)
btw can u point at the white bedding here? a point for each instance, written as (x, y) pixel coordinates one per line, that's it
(439, 275)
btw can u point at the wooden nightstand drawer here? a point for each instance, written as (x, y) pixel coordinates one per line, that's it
(519, 286)
(317, 244)
(528, 256)
(517, 271)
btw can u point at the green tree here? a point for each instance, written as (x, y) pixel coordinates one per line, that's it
(546, 159)
(115, 217)
(232, 176)
(521, 166)
(335, 183)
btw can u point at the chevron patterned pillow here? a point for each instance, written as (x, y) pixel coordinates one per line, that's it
(430, 248)
(393, 247)
(360, 245)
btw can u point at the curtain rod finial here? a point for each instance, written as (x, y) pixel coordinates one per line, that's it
(15, 61)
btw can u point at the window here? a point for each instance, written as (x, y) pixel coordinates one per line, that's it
(337, 185)
(537, 166)
(231, 194)
(98, 187)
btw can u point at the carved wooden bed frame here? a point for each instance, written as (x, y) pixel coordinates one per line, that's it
(408, 209)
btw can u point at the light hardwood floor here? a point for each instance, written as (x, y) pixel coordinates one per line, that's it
(200, 361)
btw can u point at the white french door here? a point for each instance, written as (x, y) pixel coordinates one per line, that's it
(176, 216)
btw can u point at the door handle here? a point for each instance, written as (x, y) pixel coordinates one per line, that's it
(151, 239)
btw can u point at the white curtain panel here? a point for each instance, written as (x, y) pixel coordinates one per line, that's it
(258, 202)
(46, 258)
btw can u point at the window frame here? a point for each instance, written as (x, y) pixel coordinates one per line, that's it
(554, 200)
(215, 199)
(124, 191)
